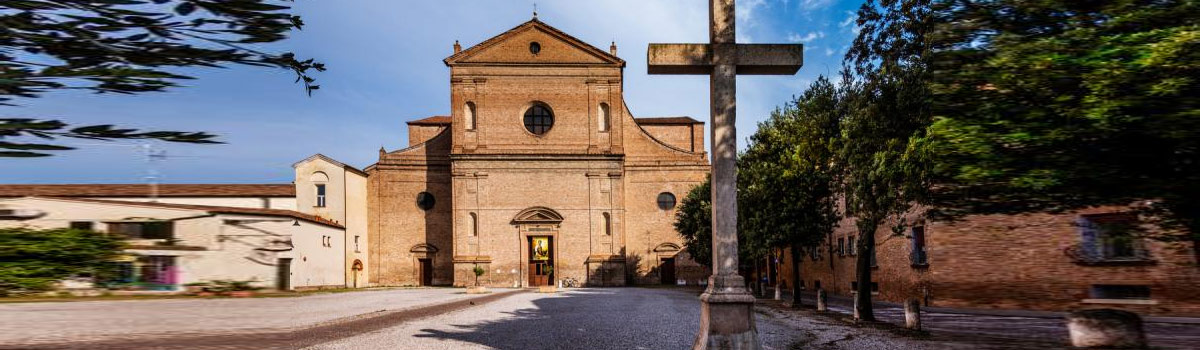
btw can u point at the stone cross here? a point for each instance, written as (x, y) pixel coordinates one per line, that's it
(727, 308)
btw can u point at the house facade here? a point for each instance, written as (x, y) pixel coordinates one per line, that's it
(170, 245)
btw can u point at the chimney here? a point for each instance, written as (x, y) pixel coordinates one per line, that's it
(613, 49)
(457, 47)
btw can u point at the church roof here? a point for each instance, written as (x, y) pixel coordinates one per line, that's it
(666, 120)
(143, 190)
(534, 24)
(434, 120)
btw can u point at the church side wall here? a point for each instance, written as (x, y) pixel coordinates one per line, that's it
(399, 226)
(650, 230)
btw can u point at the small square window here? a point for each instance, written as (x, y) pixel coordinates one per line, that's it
(1109, 291)
(82, 225)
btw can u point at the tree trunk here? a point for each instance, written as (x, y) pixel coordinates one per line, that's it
(778, 281)
(796, 302)
(863, 310)
(757, 281)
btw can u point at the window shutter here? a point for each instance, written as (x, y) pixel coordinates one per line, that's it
(1089, 237)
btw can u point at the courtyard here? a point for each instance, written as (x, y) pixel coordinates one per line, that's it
(445, 318)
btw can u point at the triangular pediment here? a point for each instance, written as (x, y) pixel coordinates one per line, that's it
(537, 215)
(513, 48)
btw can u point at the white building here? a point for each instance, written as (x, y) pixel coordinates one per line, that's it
(173, 244)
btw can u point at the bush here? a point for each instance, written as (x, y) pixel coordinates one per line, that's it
(32, 260)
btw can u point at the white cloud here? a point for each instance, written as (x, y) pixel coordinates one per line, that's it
(815, 4)
(849, 22)
(797, 38)
(828, 52)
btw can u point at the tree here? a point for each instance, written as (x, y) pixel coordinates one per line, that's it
(786, 176)
(33, 260)
(883, 170)
(1055, 105)
(128, 47)
(693, 221)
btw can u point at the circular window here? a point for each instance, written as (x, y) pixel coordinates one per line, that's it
(666, 201)
(534, 47)
(425, 200)
(538, 119)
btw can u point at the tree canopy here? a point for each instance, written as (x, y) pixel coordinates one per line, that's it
(1056, 105)
(128, 47)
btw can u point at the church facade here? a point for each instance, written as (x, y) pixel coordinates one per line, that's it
(539, 174)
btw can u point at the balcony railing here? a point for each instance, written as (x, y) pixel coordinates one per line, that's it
(1108, 255)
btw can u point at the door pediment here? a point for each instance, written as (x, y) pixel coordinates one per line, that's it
(537, 215)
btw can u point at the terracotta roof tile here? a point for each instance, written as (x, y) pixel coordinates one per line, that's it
(219, 210)
(666, 120)
(434, 120)
(141, 190)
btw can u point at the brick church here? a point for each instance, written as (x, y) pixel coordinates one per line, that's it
(540, 173)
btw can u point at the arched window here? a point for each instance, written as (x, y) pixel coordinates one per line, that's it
(607, 225)
(319, 179)
(469, 115)
(603, 117)
(538, 119)
(472, 225)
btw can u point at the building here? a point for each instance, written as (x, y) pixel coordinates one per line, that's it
(170, 245)
(538, 174)
(1042, 261)
(269, 196)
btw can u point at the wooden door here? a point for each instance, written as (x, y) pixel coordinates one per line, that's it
(426, 272)
(283, 274)
(666, 270)
(539, 274)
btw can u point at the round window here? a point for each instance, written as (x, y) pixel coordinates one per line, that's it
(538, 119)
(666, 201)
(425, 200)
(534, 47)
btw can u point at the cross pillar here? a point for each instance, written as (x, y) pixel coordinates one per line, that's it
(727, 307)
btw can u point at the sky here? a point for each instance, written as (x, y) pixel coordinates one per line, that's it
(384, 60)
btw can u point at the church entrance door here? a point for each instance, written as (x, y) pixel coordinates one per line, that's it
(666, 270)
(426, 272)
(541, 260)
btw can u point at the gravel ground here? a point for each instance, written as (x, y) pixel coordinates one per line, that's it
(42, 322)
(1001, 329)
(606, 318)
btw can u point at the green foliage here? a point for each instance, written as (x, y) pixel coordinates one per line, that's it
(1058, 104)
(128, 47)
(33, 260)
(883, 168)
(478, 270)
(786, 182)
(693, 221)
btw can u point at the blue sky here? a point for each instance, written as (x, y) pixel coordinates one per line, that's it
(385, 68)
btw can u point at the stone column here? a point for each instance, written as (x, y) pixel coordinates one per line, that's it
(822, 301)
(912, 314)
(1106, 328)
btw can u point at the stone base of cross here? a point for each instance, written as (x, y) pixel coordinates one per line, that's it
(727, 307)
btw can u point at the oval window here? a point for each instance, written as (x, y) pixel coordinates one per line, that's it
(425, 200)
(534, 47)
(538, 119)
(666, 201)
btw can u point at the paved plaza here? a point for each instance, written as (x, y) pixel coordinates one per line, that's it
(444, 318)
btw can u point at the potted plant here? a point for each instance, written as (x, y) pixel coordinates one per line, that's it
(479, 271)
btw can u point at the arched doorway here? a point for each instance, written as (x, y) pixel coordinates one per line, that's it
(355, 270)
